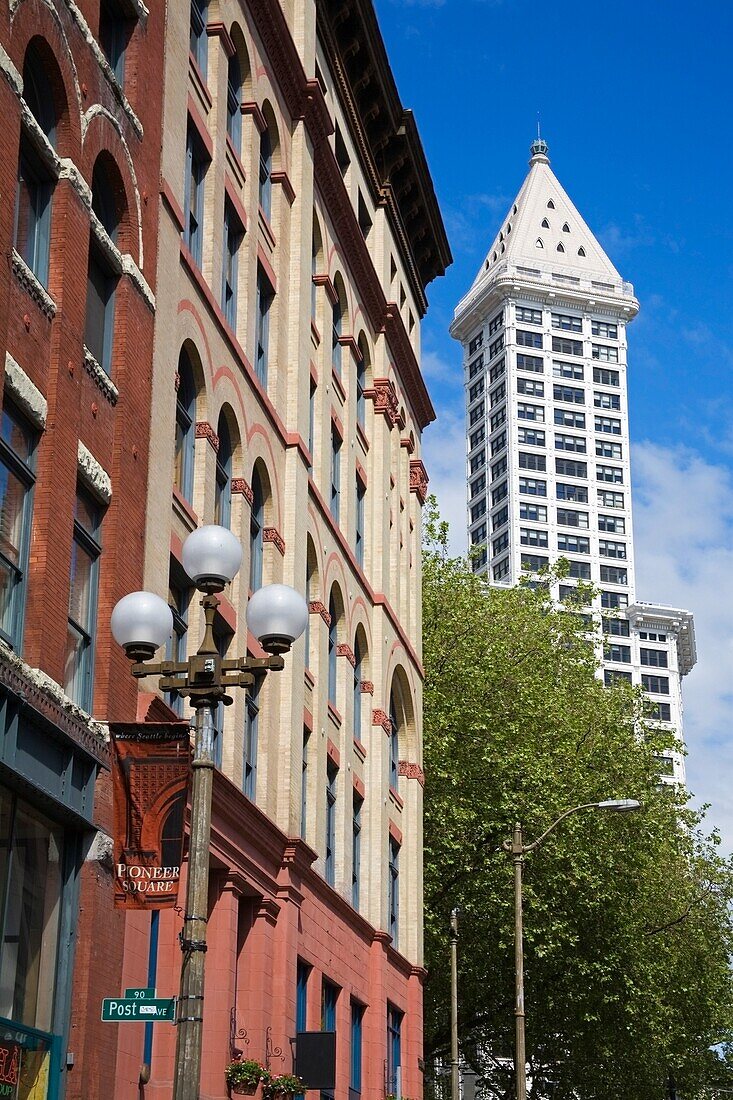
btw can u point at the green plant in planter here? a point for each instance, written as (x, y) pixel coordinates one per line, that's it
(247, 1072)
(284, 1084)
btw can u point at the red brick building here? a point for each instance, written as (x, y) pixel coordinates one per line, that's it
(78, 229)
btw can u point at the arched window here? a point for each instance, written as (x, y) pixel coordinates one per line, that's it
(550, 204)
(561, 247)
(337, 328)
(223, 490)
(394, 739)
(311, 580)
(333, 610)
(251, 732)
(357, 688)
(581, 251)
(234, 103)
(185, 427)
(256, 532)
(32, 237)
(538, 243)
(102, 274)
(566, 228)
(316, 256)
(545, 223)
(198, 41)
(266, 173)
(171, 841)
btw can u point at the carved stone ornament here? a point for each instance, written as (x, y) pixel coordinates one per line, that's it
(345, 650)
(418, 479)
(381, 718)
(317, 608)
(204, 430)
(367, 687)
(271, 534)
(239, 485)
(384, 396)
(412, 771)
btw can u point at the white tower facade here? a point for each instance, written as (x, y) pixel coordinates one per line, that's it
(543, 330)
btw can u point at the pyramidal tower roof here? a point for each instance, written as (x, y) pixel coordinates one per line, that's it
(544, 238)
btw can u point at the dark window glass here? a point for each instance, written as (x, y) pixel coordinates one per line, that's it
(17, 445)
(85, 552)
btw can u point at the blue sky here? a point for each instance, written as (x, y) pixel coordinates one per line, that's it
(635, 102)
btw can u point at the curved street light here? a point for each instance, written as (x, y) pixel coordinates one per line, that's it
(141, 623)
(517, 849)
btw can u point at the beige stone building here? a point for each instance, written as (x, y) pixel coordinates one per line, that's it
(298, 232)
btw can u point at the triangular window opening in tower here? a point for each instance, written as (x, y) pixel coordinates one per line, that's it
(538, 243)
(561, 247)
(550, 204)
(566, 228)
(545, 223)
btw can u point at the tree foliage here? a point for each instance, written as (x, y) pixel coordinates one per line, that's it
(627, 917)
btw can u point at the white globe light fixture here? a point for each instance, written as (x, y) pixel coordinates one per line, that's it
(141, 622)
(212, 556)
(277, 615)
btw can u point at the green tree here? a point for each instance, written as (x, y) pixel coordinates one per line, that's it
(627, 918)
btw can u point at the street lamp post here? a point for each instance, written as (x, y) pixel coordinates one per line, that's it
(142, 622)
(454, 1057)
(517, 849)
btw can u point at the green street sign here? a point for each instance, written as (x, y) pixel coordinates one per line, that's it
(140, 994)
(120, 1010)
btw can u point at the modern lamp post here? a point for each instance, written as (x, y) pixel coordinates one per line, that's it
(142, 622)
(517, 849)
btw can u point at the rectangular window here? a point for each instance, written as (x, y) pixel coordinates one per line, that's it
(179, 597)
(17, 478)
(476, 390)
(532, 387)
(85, 552)
(478, 461)
(567, 347)
(605, 354)
(618, 628)
(394, 890)
(529, 339)
(530, 461)
(613, 601)
(479, 561)
(336, 442)
(497, 394)
(477, 437)
(357, 1019)
(478, 534)
(613, 474)
(609, 549)
(499, 518)
(608, 424)
(612, 574)
(479, 484)
(657, 685)
(531, 536)
(608, 499)
(568, 467)
(498, 468)
(615, 652)
(606, 449)
(528, 316)
(102, 282)
(530, 412)
(233, 236)
(197, 163)
(394, 1051)
(476, 367)
(660, 712)
(497, 371)
(476, 414)
(567, 323)
(251, 730)
(32, 236)
(607, 401)
(535, 562)
(476, 343)
(570, 518)
(531, 363)
(573, 544)
(569, 443)
(654, 658)
(573, 371)
(495, 323)
(580, 570)
(302, 975)
(330, 860)
(498, 444)
(265, 298)
(501, 570)
(498, 419)
(356, 849)
(531, 436)
(359, 532)
(532, 487)
(198, 39)
(535, 512)
(496, 346)
(478, 510)
(606, 377)
(568, 418)
(304, 781)
(613, 676)
(499, 493)
(571, 395)
(578, 493)
(604, 329)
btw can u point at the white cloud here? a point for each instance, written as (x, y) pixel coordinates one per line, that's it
(683, 537)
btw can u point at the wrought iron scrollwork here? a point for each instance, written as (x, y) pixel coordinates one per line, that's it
(236, 1036)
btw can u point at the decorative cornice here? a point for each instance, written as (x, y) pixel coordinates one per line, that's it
(325, 281)
(384, 396)
(412, 771)
(343, 649)
(315, 607)
(259, 119)
(271, 534)
(34, 287)
(26, 395)
(204, 430)
(418, 479)
(239, 485)
(408, 444)
(367, 687)
(97, 372)
(283, 180)
(381, 718)
(93, 474)
(219, 30)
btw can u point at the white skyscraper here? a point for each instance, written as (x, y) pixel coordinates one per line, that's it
(543, 330)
